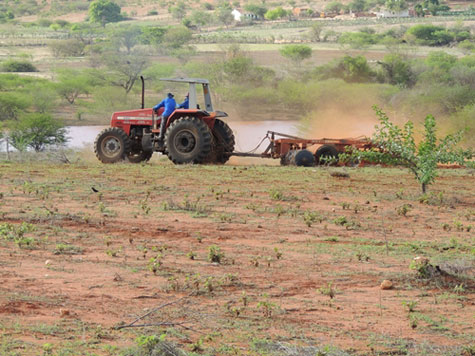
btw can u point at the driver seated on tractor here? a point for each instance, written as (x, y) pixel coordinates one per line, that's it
(169, 104)
(185, 104)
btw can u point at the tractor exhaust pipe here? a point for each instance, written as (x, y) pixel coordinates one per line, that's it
(143, 92)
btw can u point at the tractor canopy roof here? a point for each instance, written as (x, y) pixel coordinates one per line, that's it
(186, 80)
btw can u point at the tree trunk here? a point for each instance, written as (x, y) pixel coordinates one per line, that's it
(424, 188)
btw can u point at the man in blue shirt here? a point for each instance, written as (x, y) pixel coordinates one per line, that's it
(169, 104)
(186, 103)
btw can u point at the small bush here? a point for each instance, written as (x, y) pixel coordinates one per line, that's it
(215, 254)
(18, 66)
(68, 48)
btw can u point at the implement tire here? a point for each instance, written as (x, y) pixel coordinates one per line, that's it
(188, 140)
(112, 145)
(325, 153)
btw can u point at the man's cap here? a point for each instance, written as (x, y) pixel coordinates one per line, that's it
(170, 95)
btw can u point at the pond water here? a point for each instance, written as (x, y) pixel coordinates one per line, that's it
(248, 133)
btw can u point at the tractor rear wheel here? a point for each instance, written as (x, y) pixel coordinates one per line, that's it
(223, 141)
(112, 145)
(188, 140)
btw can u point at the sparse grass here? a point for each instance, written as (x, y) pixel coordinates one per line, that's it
(297, 260)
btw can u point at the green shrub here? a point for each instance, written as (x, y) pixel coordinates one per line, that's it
(13, 65)
(68, 48)
(358, 39)
(104, 11)
(396, 145)
(275, 14)
(350, 69)
(37, 131)
(12, 104)
(397, 70)
(296, 52)
(430, 35)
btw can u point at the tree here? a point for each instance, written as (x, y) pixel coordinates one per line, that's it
(200, 18)
(12, 104)
(37, 131)
(358, 5)
(72, 83)
(177, 37)
(315, 32)
(394, 145)
(396, 5)
(178, 11)
(258, 10)
(224, 15)
(334, 7)
(296, 53)
(104, 11)
(152, 35)
(398, 70)
(124, 70)
(126, 36)
(275, 14)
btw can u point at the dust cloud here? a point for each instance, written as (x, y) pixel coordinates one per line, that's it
(334, 122)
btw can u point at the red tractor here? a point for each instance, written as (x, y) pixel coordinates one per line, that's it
(192, 135)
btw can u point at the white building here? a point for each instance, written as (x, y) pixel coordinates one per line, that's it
(237, 15)
(388, 13)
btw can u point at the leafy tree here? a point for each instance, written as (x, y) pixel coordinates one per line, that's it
(179, 10)
(123, 70)
(152, 35)
(350, 69)
(126, 36)
(357, 39)
(334, 7)
(315, 32)
(431, 35)
(68, 48)
(257, 10)
(71, 84)
(396, 5)
(200, 18)
(177, 37)
(275, 14)
(296, 53)
(12, 104)
(396, 146)
(104, 11)
(397, 70)
(37, 131)
(358, 5)
(224, 15)
(43, 96)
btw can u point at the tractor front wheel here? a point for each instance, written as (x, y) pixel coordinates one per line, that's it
(188, 140)
(112, 145)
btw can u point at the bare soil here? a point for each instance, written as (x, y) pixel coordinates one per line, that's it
(301, 258)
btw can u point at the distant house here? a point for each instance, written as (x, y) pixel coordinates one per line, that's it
(392, 14)
(237, 15)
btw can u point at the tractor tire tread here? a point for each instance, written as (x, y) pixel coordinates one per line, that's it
(203, 133)
(121, 135)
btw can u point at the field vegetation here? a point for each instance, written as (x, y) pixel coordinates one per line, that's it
(259, 260)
